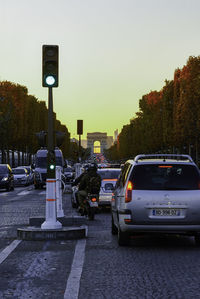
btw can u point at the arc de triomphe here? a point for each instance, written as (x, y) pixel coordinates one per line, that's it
(97, 136)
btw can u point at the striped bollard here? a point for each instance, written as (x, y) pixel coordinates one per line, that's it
(51, 211)
(60, 212)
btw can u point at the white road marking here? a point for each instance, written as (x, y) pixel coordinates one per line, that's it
(73, 282)
(5, 253)
(42, 193)
(23, 192)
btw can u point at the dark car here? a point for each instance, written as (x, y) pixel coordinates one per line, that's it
(6, 177)
(69, 174)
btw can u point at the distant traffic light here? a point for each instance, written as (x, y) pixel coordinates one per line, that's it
(79, 127)
(51, 165)
(50, 66)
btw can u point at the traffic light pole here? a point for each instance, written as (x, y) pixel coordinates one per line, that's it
(79, 149)
(51, 208)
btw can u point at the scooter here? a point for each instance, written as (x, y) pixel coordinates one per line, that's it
(90, 206)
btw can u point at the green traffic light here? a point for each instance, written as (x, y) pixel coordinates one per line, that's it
(52, 166)
(50, 80)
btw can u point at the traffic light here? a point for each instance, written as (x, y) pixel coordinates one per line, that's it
(51, 165)
(79, 127)
(50, 66)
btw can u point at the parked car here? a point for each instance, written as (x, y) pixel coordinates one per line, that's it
(109, 178)
(157, 194)
(6, 177)
(30, 174)
(20, 176)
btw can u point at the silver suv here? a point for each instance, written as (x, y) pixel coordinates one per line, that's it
(157, 194)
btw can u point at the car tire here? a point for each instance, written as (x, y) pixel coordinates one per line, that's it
(197, 240)
(123, 238)
(114, 229)
(8, 188)
(74, 205)
(12, 188)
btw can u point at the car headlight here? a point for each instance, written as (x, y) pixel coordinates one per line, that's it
(5, 179)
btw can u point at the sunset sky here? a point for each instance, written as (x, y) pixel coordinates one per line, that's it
(112, 52)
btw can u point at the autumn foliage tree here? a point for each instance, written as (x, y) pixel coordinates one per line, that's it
(168, 120)
(21, 117)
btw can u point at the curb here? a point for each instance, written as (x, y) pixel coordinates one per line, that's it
(73, 227)
(31, 233)
(65, 221)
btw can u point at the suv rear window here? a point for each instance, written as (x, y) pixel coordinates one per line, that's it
(109, 174)
(165, 177)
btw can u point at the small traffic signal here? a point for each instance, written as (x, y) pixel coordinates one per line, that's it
(79, 127)
(51, 165)
(50, 66)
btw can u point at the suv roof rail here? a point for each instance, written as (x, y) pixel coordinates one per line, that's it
(177, 157)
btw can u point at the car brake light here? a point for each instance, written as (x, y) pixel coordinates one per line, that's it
(113, 196)
(93, 199)
(129, 189)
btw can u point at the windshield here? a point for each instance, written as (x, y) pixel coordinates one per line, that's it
(3, 169)
(68, 169)
(109, 174)
(41, 162)
(19, 171)
(165, 177)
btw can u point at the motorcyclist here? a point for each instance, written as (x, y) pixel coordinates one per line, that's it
(77, 181)
(85, 185)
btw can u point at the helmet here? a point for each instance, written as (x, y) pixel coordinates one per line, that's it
(93, 167)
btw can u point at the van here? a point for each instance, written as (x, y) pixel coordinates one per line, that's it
(40, 172)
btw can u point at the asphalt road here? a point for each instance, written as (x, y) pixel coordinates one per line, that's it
(95, 267)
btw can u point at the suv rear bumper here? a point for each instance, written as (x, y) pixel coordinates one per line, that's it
(182, 229)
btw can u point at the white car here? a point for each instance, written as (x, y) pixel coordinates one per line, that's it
(157, 194)
(109, 178)
(30, 174)
(21, 177)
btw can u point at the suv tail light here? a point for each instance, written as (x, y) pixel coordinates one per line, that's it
(129, 189)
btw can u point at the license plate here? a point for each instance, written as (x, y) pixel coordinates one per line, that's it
(93, 204)
(166, 212)
(106, 198)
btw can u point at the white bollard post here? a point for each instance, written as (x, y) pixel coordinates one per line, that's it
(60, 212)
(51, 221)
(77, 170)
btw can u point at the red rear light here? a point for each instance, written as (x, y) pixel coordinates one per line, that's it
(113, 196)
(129, 189)
(93, 199)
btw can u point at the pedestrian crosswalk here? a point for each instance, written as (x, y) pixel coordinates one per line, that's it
(26, 192)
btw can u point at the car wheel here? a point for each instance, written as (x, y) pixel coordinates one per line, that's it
(74, 205)
(114, 229)
(197, 240)
(123, 238)
(12, 188)
(8, 188)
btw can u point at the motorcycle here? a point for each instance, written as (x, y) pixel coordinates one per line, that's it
(90, 206)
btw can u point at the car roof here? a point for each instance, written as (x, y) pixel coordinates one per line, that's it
(162, 158)
(108, 169)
